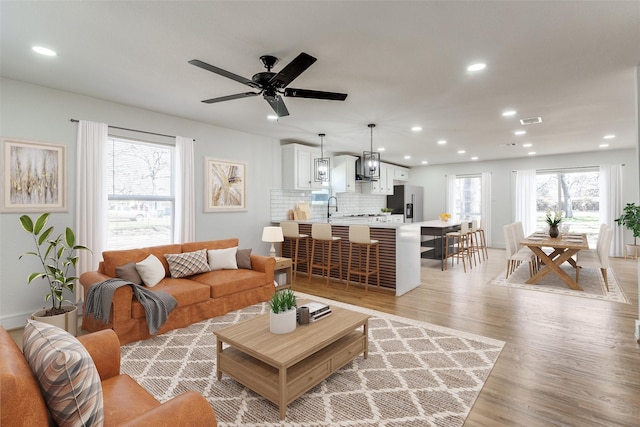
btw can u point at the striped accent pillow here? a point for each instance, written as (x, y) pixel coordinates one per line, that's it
(187, 263)
(67, 376)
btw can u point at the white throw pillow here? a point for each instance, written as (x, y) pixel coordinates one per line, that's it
(150, 270)
(223, 259)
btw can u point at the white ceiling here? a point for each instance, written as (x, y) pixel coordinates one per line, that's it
(402, 64)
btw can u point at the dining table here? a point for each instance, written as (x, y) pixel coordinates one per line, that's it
(565, 246)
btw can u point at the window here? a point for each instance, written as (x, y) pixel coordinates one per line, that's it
(576, 193)
(468, 197)
(140, 193)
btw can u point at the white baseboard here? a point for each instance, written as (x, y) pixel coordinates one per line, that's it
(15, 321)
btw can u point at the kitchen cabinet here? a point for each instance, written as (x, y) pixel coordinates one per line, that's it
(343, 174)
(384, 185)
(297, 167)
(400, 173)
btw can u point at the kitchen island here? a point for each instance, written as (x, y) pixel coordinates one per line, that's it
(399, 252)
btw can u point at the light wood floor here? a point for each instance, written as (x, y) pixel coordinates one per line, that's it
(567, 361)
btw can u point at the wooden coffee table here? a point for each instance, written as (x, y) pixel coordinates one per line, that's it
(281, 368)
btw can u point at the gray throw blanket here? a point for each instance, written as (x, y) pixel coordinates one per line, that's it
(157, 305)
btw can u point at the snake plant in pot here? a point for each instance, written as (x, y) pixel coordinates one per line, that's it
(282, 317)
(57, 258)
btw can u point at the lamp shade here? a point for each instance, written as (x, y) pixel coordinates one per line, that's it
(272, 234)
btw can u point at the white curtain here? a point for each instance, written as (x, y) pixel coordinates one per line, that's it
(450, 203)
(91, 207)
(611, 204)
(485, 209)
(184, 214)
(525, 200)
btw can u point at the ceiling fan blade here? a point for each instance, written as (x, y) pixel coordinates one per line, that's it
(277, 103)
(230, 97)
(316, 94)
(224, 73)
(292, 70)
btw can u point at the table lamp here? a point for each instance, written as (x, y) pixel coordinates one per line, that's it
(272, 235)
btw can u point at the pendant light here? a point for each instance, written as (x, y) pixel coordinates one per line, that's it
(321, 165)
(371, 161)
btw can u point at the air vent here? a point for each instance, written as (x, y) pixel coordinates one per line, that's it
(531, 120)
(511, 144)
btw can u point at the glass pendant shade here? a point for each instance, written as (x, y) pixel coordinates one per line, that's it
(371, 161)
(321, 166)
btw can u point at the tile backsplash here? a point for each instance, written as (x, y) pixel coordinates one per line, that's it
(348, 204)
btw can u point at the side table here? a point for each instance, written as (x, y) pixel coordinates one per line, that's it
(284, 265)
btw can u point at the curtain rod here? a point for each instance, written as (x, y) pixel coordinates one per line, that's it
(566, 169)
(133, 130)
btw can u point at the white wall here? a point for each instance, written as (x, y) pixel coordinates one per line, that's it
(433, 179)
(41, 114)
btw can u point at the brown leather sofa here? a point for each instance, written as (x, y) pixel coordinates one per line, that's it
(126, 403)
(199, 297)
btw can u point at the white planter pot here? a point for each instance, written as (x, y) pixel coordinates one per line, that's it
(282, 323)
(67, 321)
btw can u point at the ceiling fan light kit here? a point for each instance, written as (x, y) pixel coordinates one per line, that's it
(371, 160)
(321, 166)
(272, 86)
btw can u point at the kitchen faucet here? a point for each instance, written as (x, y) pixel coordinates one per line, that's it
(329, 206)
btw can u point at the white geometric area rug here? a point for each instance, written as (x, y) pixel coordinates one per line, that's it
(590, 280)
(416, 374)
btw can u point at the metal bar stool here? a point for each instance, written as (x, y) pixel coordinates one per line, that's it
(321, 234)
(291, 233)
(360, 237)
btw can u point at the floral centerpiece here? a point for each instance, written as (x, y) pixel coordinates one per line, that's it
(554, 220)
(444, 217)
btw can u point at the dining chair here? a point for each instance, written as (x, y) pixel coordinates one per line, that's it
(598, 259)
(516, 256)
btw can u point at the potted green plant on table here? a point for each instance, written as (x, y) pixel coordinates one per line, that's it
(57, 257)
(630, 219)
(282, 317)
(553, 221)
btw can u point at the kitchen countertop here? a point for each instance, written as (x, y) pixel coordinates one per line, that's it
(341, 222)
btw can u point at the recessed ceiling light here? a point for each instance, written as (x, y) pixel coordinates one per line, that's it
(474, 158)
(508, 113)
(461, 151)
(520, 132)
(381, 149)
(442, 142)
(44, 51)
(416, 128)
(424, 162)
(407, 157)
(272, 117)
(527, 144)
(477, 67)
(531, 153)
(611, 136)
(603, 145)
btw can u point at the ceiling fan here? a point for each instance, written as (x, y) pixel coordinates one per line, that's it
(271, 85)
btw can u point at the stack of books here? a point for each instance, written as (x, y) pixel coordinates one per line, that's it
(317, 311)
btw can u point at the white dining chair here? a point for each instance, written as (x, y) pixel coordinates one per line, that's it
(599, 259)
(515, 256)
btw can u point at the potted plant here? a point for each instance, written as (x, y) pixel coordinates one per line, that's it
(630, 219)
(386, 211)
(282, 317)
(553, 222)
(57, 257)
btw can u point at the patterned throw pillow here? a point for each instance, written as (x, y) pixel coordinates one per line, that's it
(187, 263)
(66, 374)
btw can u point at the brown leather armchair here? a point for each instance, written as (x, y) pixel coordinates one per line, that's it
(126, 403)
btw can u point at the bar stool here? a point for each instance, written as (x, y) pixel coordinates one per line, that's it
(291, 233)
(474, 243)
(360, 237)
(321, 234)
(482, 239)
(462, 249)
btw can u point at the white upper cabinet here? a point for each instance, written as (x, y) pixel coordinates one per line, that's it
(400, 173)
(384, 185)
(297, 167)
(343, 174)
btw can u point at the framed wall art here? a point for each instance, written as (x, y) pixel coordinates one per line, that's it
(225, 186)
(33, 176)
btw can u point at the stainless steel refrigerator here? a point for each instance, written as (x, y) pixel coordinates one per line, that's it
(407, 200)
